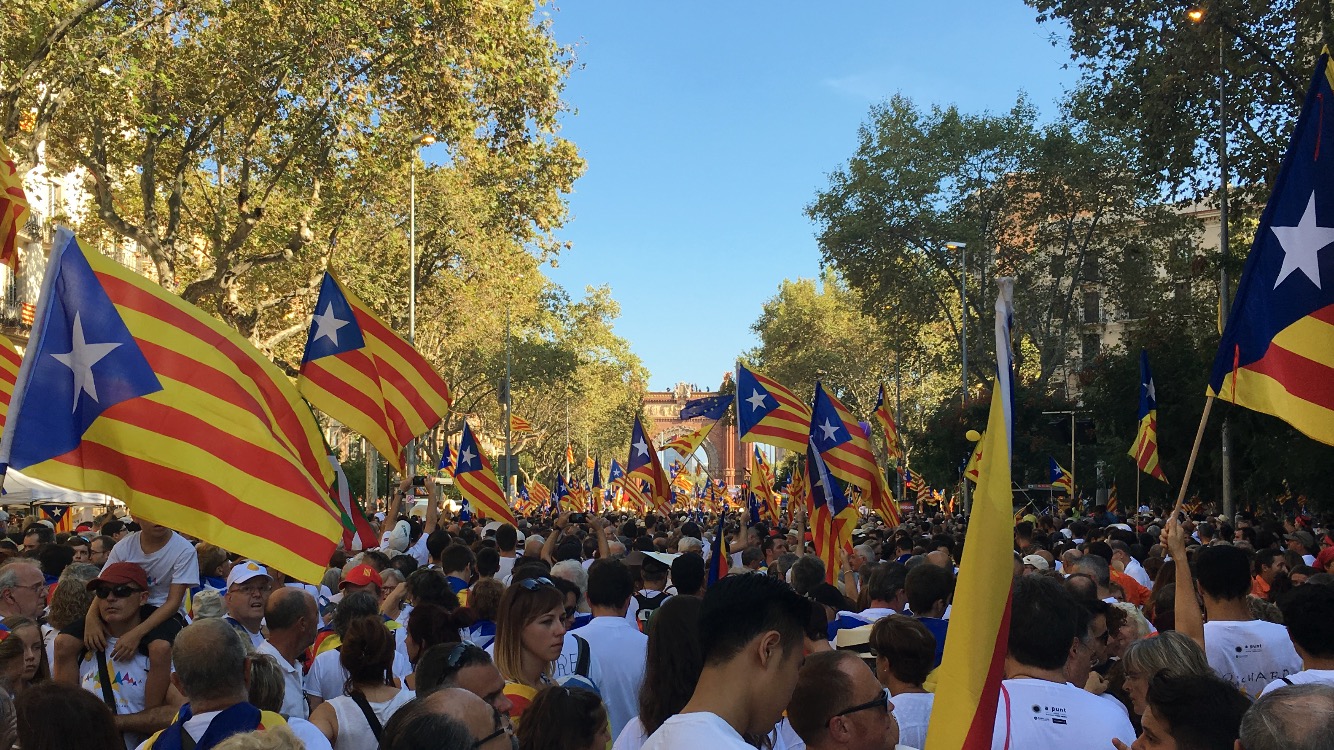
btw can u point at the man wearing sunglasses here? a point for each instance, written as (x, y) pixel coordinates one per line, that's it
(838, 703)
(136, 688)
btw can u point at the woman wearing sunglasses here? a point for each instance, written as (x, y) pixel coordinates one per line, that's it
(530, 634)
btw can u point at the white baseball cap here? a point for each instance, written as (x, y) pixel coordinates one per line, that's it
(244, 571)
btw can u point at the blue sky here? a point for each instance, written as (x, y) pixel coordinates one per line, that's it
(708, 127)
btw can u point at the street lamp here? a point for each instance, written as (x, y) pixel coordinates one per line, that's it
(1196, 15)
(963, 310)
(425, 139)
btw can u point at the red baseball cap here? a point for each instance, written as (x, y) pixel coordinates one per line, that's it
(121, 572)
(360, 576)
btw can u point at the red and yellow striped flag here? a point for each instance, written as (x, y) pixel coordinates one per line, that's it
(9, 372)
(477, 481)
(762, 486)
(893, 443)
(361, 373)
(13, 209)
(132, 392)
(539, 494)
(688, 443)
(519, 424)
(841, 441)
(769, 413)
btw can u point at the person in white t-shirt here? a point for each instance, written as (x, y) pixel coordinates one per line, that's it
(1038, 709)
(618, 647)
(293, 619)
(172, 568)
(1308, 614)
(905, 651)
(839, 705)
(1246, 652)
(507, 541)
(137, 685)
(751, 632)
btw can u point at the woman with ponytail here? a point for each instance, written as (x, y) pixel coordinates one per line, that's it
(355, 721)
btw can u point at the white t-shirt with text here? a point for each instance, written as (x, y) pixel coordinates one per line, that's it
(1045, 715)
(1250, 654)
(1304, 677)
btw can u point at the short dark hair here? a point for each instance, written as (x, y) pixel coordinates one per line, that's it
(436, 542)
(886, 582)
(430, 586)
(85, 721)
(107, 542)
(610, 583)
(113, 527)
(507, 538)
(1045, 620)
(907, 645)
(562, 717)
(1265, 558)
(926, 585)
(1308, 613)
(1202, 712)
(456, 557)
(488, 562)
(688, 573)
(45, 534)
(823, 689)
(434, 670)
(738, 609)
(1223, 571)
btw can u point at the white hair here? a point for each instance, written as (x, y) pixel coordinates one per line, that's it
(572, 571)
(689, 544)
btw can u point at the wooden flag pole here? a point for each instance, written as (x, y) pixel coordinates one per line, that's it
(1194, 451)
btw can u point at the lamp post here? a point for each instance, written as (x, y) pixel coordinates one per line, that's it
(425, 139)
(1196, 15)
(963, 319)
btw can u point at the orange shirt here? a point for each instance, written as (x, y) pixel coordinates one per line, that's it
(1260, 588)
(1136, 593)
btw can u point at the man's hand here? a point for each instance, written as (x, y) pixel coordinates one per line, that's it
(94, 634)
(1173, 538)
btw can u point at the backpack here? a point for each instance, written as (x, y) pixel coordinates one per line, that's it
(647, 604)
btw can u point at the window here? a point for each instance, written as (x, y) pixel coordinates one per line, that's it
(1092, 307)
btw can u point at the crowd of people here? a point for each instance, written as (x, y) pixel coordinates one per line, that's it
(594, 631)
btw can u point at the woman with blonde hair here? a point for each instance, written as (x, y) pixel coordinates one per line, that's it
(1170, 653)
(530, 636)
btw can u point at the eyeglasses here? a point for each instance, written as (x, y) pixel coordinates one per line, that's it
(460, 650)
(35, 588)
(122, 591)
(501, 728)
(251, 590)
(881, 702)
(533, 584)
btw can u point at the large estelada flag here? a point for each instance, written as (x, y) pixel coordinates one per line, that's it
(1145, 449)
(1277, 352)
(770, 413)
(477, 481)
(893, 443)
(361, 373)
(969, 679)
(841, 441)
(130, 391)
(9, 373)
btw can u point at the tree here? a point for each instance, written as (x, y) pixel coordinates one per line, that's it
(224, 138)
(1149, 71)
(1057, 206)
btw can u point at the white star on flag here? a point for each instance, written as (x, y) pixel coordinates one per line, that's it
(80, 359)
(756, 401)
(1302, 245)
(327, 325)
(830, 431)
(1153, 393)
(466, 456)
(642, 447)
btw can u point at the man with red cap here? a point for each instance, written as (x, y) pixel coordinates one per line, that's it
(136, 688)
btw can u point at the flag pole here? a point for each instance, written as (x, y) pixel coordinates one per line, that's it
(1194, 451)
(509, 412)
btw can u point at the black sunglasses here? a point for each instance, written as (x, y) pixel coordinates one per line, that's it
(880, 701)
(460, 650)
(533, 584)
(122, 591)
(501, 728)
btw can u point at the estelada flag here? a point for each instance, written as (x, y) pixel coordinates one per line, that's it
(769, 413)
(762, 486)
(477, 481)
(519, 424)
(893, 443)
(1276, 354)
(688, 443)
(361, 373)
(644, 464)
(841, 441)
(131, 391)
(1145, 448)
